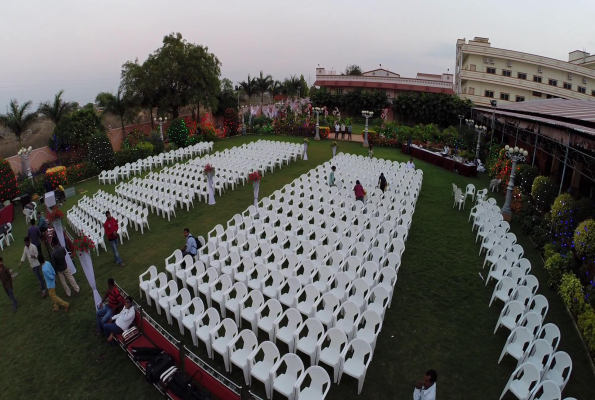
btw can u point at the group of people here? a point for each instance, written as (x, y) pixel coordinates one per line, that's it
(343, 129)
(114, 313)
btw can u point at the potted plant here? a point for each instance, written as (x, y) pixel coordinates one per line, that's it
(255, 178)
(209, 171)
(334, 148)
(305, 154)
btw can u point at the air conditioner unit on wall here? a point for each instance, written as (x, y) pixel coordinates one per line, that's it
(540, 70)
(485, 60)
(569, 77)
(491, 60)
(585, 81)
(509, 63)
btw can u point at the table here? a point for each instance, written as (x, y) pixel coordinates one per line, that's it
(6, 214)
(441, 161)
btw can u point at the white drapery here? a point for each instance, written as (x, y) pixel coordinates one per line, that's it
(305, 154)
(60, 234)
(256, 186)
(87, 265)
(334, 151)
(211, 190)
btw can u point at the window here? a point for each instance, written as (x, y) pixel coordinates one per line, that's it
(582, 89)
(552, 82)
(536, 78)
(506, 72)
(520, 98)
(489, 93)
(490, 70)
(339, 91)
(549, 96)
(504, 96)
(472, 67)
(472, 91)
(592, 92)
(537, 94)
(521, 75)
(567, 85)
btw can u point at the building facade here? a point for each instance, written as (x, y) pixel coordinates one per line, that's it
(484, 73)
(385, 80)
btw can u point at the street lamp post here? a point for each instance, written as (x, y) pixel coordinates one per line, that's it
(480, 130)
(461, 117)
(516, 155)
(494, 103)
(317, 111)
(161, 122)
(24, 153)
(366, 115)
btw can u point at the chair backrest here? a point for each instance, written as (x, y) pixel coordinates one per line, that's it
(527, 373)
(546, 390)
(319, 381)
(358, 349)
(294, 366)
(561, 363)
(213, 318)
(522, 294)
(551, 333)
(291, 318)
(531, 321)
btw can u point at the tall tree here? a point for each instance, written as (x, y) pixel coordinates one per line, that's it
(263, 84)
(304, 90)
(139, 86)
(353, 69)
(276, 88)
(119, 104)
(226, 85)
(249, 87)
(57, 109)
(292, 85)
(17, 119)
(183, 73)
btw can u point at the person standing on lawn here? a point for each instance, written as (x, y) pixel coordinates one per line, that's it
(42, 224)
(31, 254)
(6, 279)
(58, 259)
(114, 303)
(35, 235)
(331, 177)
(337, 127)
(426, 389)
(49, 274)
(111, 231)
(122, 321)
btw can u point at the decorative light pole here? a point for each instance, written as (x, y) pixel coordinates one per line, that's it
(24, 153)
(366, 115)
(461, 117)
(516, 155)
(242, 108)
(480, 130)
(494, 104)
(317, 112)
(161, 122)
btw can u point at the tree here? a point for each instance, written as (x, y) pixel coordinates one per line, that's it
(140, 86)
(263, 84)
(178, 132)
(353, 70)
(183, 73)
(75, 130)
(17, 119)
(57, 109)
(249, 87)
(231, 122)
(291, 85)
(119, 104)
(101, 152)
(8, 182)
(304, 90)
(226, 85)
(276, 88)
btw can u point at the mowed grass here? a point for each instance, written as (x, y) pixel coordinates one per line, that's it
(439, 316)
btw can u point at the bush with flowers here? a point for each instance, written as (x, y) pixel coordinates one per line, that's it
(8, 182)
(57, 176)
(54, 215)
(83, 244)
(324, 132)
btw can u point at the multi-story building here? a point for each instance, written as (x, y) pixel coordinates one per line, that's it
(385, 80)
(484, 73)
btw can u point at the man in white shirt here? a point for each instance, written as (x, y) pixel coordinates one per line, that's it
(120, 322)
(30, 253)
(410, 164)
(426, 389)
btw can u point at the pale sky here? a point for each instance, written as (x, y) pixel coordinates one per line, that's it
(80, 46)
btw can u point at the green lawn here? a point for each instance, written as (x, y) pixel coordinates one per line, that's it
(439, 316)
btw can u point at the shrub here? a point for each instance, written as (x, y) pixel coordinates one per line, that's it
(549, 250)
(8, 182)
(155, 140)
(75, 129)
(544, 193)
(231, 122)
(268, 130)
(556, 266)
(586, 324)
(541, 233)
(324, 132)
(372, 135)
(33, 186)
(562, 218)
(143, 150)
(123, 156)
(178, 132)
(209, 133)
(57, 176)
(525, 176)
(517, 200)
(583, 209)
(80, 172)
(132, 138)
(101, 152)
(584, 239)
(571, 292)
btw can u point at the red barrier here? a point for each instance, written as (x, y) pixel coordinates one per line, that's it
(208, 381)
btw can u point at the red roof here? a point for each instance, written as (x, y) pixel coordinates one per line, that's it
(381, 85)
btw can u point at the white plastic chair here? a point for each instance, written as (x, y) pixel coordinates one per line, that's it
(144, 283)
(558, 369)
(358, 291)
(190, 313)
(232, 298)
(531, 321)
(285, 381)
(286, 325)
(538, 353)
(173, 263)
(306, 341)
(546, 390)
(522, 381)
(269, 285)
(355, 360)
(320, 384)
(239, 355)
(503, 290)
(329, 349)
(261, 361)
(217, 291)
(155, 285)
(518, 341)
(539, 305)
(204, 325)
(169, 291)
(248, 307)
(288, 290)
(305, 299)
(498, 270)
(551, 333)
(368, 326)
(273, 309)
(325, 307)
(221, 336)
(345, 316)
(510, 315)
(175, 308)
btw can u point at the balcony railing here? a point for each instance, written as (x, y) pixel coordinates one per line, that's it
(386, 79)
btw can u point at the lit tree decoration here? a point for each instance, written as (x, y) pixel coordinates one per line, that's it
(8, 182)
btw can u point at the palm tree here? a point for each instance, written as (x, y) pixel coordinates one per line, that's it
(292, 85)
(263, 84)
(249, 87)
(56, 110)
(120, 104)
(17, 119)
(276, 88)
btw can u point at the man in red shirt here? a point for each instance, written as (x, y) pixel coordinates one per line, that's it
(111, 231)
(115, 301)
(359, 191)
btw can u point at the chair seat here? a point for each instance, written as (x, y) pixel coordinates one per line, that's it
(311, 394)
(220, 345)
(330, 355)
(367, 335)
(305, 308)
(508, 322)
(353, 368)
(240, 277)
(519, 389)
(203, 287)
(153, 294)
(240, 357)
(306, 344)
(270, 292)
(360, 301)
(285, 334)
(144, 285)
(286, 299)
(188, 321)
(376, 307)
(325, 316)
(163, 302)
(266, 323)
(253, 284)
(554, 376)
(284, 384)
(203, 332)
(503, 295)
(248, 313)
(261, 370)
(191, 281)
(217, 296)
(175, 311)
(232, 304)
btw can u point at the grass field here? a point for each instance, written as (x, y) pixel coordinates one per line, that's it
(439, 316)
